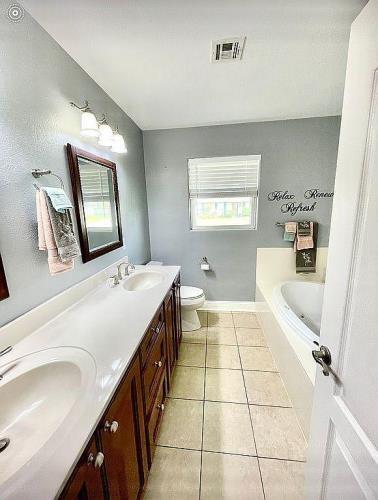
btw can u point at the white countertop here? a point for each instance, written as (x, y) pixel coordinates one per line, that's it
(108, 323)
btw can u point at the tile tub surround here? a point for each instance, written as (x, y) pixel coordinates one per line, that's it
(241, 436)
(94, 322)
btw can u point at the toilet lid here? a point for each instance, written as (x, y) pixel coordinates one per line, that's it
(190, 292)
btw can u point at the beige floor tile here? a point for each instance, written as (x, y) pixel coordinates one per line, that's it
(223, 356)
(225, 385)
(182, 424)
(266, 388)
(277, 433)
(251, 337)
(220, 319)
(227, 428)
(192, 355)
(221, 335)
(188, 382)
(230, 477)
(196, 337)
(203, 317)
(283, 480)
(257, 358)
(245, 320)
(174, 474)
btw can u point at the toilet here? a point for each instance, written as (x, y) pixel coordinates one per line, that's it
(192, 298)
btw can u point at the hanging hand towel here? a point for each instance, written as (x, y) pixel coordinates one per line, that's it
(58, 198)
(290, 231)
(62, 227)
(305, 242)
(46, 238)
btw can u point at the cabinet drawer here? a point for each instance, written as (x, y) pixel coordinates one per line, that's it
(154, 367)
(152, 334)
(156, 416)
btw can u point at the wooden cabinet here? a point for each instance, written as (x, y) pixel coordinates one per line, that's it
(116, 462)
(169, 309)
(177, 302)
(123, 440)
(86, 482)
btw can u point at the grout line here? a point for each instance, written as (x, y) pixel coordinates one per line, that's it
(203, 419)
(229, 402)
(250, 420)
(231, 453)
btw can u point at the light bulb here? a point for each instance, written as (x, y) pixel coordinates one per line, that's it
(89, 125)
(119, 145)
(106, 135)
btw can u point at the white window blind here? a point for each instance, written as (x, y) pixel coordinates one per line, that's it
(223, 192)
(221, 177)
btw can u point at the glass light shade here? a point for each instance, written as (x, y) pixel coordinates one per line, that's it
(119, 145)
(106, 135)
(89, 125)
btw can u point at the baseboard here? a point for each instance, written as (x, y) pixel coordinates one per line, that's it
(231, 305)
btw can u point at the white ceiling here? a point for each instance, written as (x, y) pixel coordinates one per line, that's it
(153, 56)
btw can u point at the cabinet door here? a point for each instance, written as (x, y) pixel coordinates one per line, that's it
(123, 439)
(169, 308)
(86, 482)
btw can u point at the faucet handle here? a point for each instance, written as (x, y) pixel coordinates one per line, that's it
(115, 279)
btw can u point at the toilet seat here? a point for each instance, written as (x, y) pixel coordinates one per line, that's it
(191, 292)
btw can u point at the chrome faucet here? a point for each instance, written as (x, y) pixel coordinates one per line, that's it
(127, 269)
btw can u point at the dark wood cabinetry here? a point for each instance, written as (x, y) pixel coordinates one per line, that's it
(116, 462)
(86, 482)
(123, 439)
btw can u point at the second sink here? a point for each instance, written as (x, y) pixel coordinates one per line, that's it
(143, 280)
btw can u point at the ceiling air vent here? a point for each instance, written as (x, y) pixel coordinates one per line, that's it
(229, 49)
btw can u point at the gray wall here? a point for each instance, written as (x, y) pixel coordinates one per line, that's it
(38, 79)
(296, 155)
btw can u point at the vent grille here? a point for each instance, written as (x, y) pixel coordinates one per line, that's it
(229, 49)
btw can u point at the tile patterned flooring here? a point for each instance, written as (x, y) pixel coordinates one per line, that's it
(229, 431)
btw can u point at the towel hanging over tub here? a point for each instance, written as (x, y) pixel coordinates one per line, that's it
(306, 258)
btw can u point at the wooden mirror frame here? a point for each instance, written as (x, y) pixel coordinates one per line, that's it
(4, 292)
(73, 154)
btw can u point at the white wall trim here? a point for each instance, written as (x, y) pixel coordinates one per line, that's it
(230, 305)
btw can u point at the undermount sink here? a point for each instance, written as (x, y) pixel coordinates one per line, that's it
(143, 280)
(37, 395)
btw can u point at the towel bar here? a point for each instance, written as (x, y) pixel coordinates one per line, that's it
(39, 173)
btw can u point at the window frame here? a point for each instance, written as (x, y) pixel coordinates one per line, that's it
(254, 199)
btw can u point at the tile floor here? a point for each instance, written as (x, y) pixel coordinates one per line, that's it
(229, 431)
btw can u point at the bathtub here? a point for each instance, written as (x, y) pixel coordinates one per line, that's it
(299, 304)
(291, 326)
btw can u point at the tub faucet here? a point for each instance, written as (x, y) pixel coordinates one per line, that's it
(127, 269)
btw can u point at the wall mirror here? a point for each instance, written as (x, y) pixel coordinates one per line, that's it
(95, 191)
(4, 293)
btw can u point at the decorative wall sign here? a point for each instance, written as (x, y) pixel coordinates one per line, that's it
(293, 207)
(316, 193)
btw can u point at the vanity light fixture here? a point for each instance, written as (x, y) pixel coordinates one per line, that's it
(89, 125)
(93, 127)
(106, 133)
(118, 145)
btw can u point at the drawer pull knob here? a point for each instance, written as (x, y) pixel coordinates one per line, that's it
(97, 461)
(111, 426)
(161, 407)
(159, 364)
(156, 329)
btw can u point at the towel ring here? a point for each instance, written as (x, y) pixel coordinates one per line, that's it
(37, 173)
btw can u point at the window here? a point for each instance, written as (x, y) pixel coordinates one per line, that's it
(223, 192)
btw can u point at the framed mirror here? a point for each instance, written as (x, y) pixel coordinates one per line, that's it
(95, 191)
(4, 293)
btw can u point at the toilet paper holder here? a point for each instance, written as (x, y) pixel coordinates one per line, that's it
(205, 266)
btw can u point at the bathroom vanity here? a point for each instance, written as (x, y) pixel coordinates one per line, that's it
(128, 336)
(120, 452)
